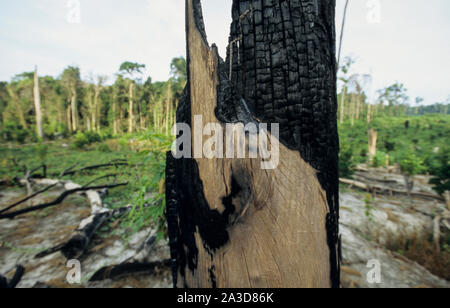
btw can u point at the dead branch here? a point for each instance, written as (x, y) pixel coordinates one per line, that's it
(389, 191)
(114, 163)
(59, 200)
(27, 198)
(67, 170)
(121, 270)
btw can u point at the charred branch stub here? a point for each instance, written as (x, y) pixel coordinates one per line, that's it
(5, 284)
(234, 225)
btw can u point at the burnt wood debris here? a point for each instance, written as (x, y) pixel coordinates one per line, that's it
(5, 284)
(231, 225)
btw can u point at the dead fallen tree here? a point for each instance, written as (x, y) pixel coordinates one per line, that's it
(138, 264)
(378, 189)
(78, 244)
(70, 188)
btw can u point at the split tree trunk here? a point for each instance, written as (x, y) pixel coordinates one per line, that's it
(232, 224)
(37, 105)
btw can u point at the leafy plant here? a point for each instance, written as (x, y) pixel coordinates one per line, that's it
(368, 200)
(410, 166)
(149, 203)
(104, 148)
(379, 160)
(441, 172)
(346, 161)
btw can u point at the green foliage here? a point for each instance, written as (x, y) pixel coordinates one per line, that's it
(441, 171)
(368, 201)
(131, 68)
(424, 135)
(151, 185)
(346, 160)
(81, 140)
(411, 164)
(95, 104)
(145, 173)
(104, 148)
(379, 160)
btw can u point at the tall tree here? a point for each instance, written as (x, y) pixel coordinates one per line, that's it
(96, 120)
(71, 81)
(232, 224)
(131, 70)
(37, 105)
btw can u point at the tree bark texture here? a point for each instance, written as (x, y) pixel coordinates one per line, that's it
(231, 223)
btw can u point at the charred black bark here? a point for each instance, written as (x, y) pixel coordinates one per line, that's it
(280, 68)
(282, 62)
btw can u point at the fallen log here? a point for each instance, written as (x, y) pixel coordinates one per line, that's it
(77, 245)
(368, 178)
(386, 190)
(71, 188)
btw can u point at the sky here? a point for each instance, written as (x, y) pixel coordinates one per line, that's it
(393, 40)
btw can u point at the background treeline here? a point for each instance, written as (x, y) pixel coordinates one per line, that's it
(391, 101)
(93, 105)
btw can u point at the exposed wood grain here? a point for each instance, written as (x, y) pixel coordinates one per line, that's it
(277, 234)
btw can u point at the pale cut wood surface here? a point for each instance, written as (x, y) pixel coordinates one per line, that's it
(280, 238)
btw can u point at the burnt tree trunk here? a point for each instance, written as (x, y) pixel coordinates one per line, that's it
(231, 223)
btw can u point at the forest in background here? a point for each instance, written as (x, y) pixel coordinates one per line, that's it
(93, 122)
(71, 105)
(92, 111)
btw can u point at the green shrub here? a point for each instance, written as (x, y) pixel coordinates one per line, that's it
(346, 161)
(92, 137)
(104, 148)
(441, 171)
(80, 140)
(379, 160)
(411, 164)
